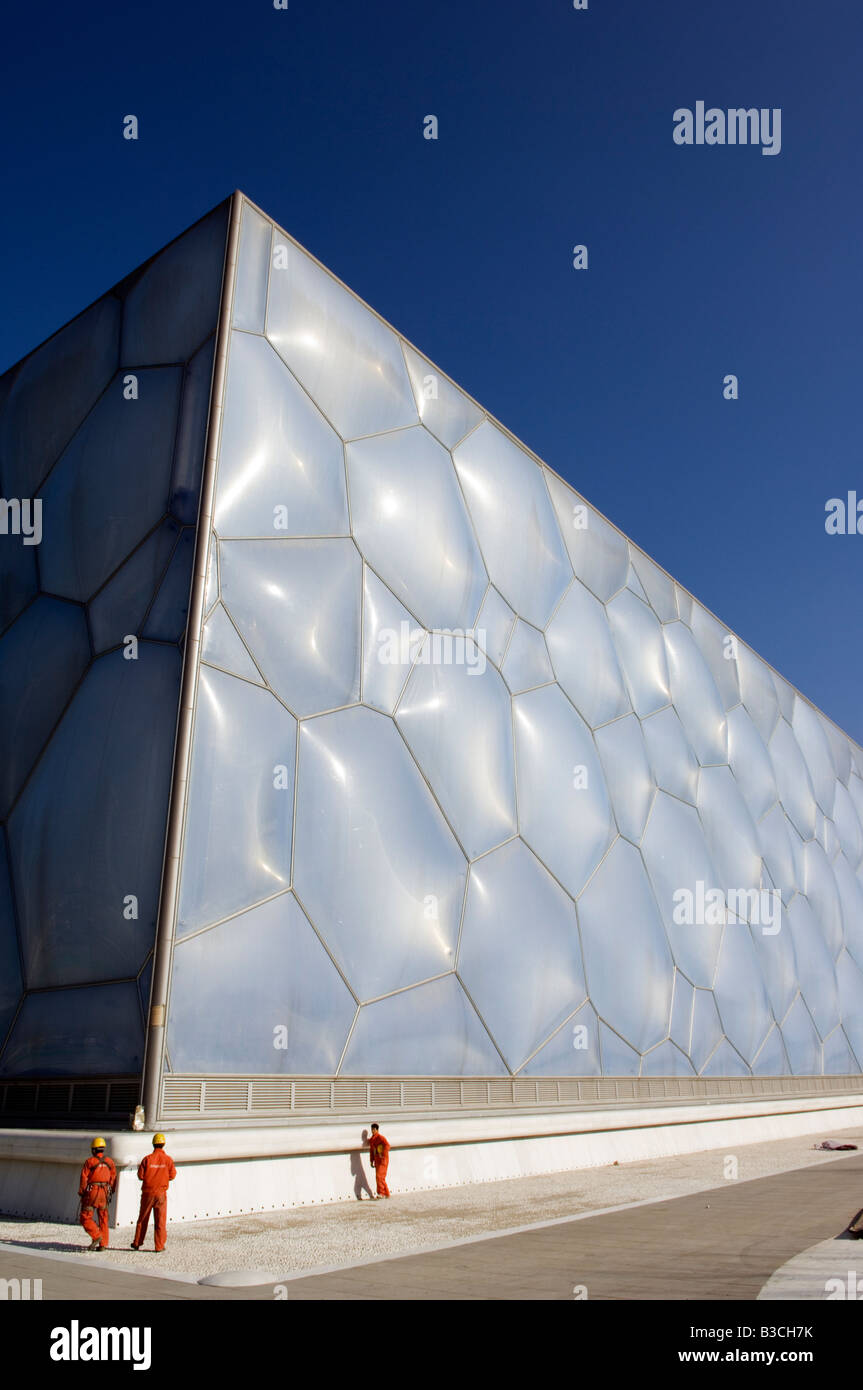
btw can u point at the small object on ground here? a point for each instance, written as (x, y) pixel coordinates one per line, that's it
(238, 1279)
(833, 1144)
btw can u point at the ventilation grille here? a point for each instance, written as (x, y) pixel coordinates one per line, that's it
(69, 1102)
(193, 1098)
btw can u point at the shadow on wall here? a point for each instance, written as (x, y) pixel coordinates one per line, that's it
(361, 1182)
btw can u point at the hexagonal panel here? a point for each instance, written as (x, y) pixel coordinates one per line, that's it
(55, 1035)
(812, 741)
(821, 889)
(526, 664)
(375, 865)
(520, 956)
(801, 1041)
(268, 968)
(584, 658)
(494, 626)
(563, 806)
(49, 642)
(677, 861)
(392, 641)
(572, 1051)
(695, 697)
(598, 553)
(666, 1060)
(672, 761)
(772, 1060)
(706, 1028)
(428, 1031)
(848, 826)
(350, 363)
(297, 607)
(222, 646)
(627, 773)
(718, 646)
(241, 797)
(740, 994)
(731, 837)
(629, 967)
(638, 639)
(515, 522)
(281, 466)
(253, 270)
(410, 522)
(456, 719)
(121, 605)
(658, 586)
(757, 691)
(750, 763)
(443, 408)
(174, 304)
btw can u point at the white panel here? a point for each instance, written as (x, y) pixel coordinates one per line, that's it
(222, 646)
(350, 363)
(253, 264)
(813, 744)
(515, 522)
(757, 691)
(429, 1031)
(627, 772)
(677, 861)
(750, 763)
(457, 719)
(494, 626)
(718, 647)
(297, 606)
(695, 697)
(792, 779)
(638, 639)
(526, 664)
(564, 811)
(674, 765)
(410, 522)
(658, 586)
(598, 553)
(443, 408)
(391, 643)
(583, 655)
(281, 466)
(731, 837)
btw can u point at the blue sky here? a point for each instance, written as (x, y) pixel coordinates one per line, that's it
(555, 129)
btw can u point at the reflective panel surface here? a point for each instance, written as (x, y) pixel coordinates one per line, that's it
(443, 409)
(599, 554)
(431, 1030)
(638, 639)
(584, 658)
(515, 522)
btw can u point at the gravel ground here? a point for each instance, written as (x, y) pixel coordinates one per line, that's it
(284, 1242)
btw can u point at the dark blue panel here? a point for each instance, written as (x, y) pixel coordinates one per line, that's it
(10, 968)
(42, 658)
(167, 620)
(18, 579)
(192, 436)
(89, 830)
(120, 608)
(75, 1032)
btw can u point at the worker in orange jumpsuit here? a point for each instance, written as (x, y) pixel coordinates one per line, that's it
(155, 1172)
(96, 1188)
(379, 1153)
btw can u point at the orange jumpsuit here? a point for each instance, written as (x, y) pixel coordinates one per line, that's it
(379, 1152)
(98, 1181)
(155, 1172)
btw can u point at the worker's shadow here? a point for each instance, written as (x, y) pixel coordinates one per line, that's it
(61, 1245)
(361, 1182)
(850, 1233)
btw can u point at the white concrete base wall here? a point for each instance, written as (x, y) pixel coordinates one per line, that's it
(229, 1171)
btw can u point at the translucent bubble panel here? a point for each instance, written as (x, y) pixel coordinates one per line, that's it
(772, 1059)
(269, 968)
(847, 826)
(241, 798)
(494, 626)
(392, 641)
(740, 994)
(515, 522)
(121, 605)
(627, 773)
(840, 749)
(677, 862)
(598, 553)
(572, 1051)
(110, 487)
(851, 899)
(375, 865)
(84, 849)
(526, 664)
(822, 891)
(627, 960)
(297, 606)
(815, 963)
(429, 1031)
(776, 851)
(732, 839)
(456, 719)
(584, 659)
(411, 525)
(666, 1060)
(52, 394)
(618, 1059)
(706, 1030)
(792, 779)
(564, 810)
(49, 642)
(839, 1060)
(725, 1061)
(443, 409)
(223, 646)
(350, 363)
(802, 1042)
(672, 761)
(191, 436)
(174, 305)
(638, 639)
(718, 647)
(55, 1034)
(812, 741)
(253, 268)
(281, 466)
(757, 691)
(520, 957)
(681, 1012)
(657, 585)
(850, 981)
(695, 697)
(750, 763)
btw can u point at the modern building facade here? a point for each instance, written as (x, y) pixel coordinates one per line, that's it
(351, 760)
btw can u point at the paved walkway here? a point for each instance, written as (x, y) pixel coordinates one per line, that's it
(725, 1243)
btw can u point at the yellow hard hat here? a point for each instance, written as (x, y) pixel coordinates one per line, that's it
(158, 1138)
(98, 1142)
